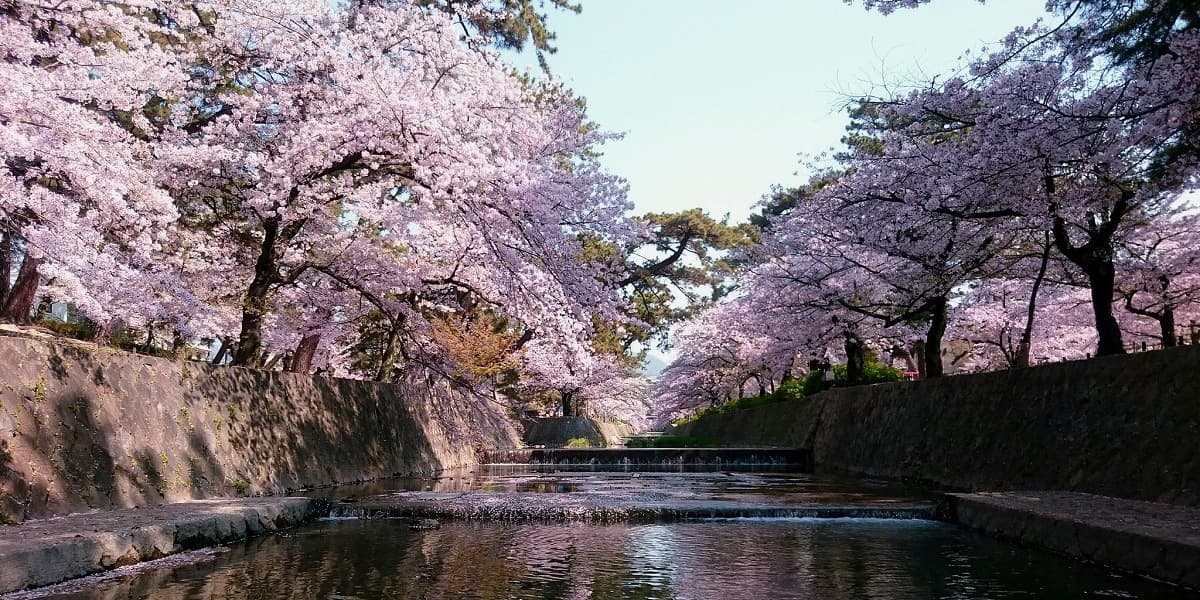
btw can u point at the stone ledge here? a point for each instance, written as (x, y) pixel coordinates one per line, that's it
(43, 552)
(638, 506)
(1154, 539)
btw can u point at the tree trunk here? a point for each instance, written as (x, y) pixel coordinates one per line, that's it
(1102, 279)
(103, 335)
(918, 350)
(1095, 259)
(568, 404)
(149, 345)
(904, 354)
(6, 263)
(933, 338)
(855, 358)
(178, 343)
(1166, 325)
(222, 352)
(254, 303)
(19, 303)
(1025, 346)
(303, 356)
(387, 364)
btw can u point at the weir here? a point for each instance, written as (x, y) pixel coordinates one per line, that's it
(791, 459)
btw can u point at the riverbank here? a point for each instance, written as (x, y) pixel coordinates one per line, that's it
(44, 552)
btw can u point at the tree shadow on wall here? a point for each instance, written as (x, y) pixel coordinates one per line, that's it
(81, 453)
(93, 430)
(204, 470)
(287, 431)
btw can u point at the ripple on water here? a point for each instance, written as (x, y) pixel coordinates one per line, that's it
(794, 559)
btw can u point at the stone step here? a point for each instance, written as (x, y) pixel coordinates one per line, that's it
(600, 508)
(42, 552)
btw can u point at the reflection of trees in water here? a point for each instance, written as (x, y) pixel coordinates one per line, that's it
(383, 559)
(726, 560)
(462, 561)
(587, 561)
(805, 560)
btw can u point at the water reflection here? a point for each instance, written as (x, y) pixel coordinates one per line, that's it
(796, 559)
(719, 486)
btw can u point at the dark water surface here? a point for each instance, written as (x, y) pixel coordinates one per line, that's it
(811, 559)
(803, 558)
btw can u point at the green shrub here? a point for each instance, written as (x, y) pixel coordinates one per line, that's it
(814, 383)
(795, 389)
(125, 338)
(579, 442)
(789, 390)
(873, 372)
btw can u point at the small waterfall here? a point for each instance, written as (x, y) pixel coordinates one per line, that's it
(796, 460)
(544, 509)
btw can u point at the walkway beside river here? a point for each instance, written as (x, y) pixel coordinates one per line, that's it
(1149, 538)
(47, 551)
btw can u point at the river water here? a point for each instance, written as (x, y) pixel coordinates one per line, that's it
(701, 559)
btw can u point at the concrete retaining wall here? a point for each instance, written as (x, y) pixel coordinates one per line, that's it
(1124, 426)
(85, 427)
(556, 432)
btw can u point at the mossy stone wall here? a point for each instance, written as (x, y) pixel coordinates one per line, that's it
(91, 427)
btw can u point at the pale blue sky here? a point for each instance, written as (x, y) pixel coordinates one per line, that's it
(718, 97)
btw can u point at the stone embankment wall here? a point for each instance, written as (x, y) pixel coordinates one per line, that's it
(1124, 426)
(91, 427)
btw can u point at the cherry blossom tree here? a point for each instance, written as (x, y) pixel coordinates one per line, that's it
(1160, 267)
(79, 204)
(1064, 129)
(464, 178)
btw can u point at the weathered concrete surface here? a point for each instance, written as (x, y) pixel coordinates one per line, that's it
(38, 553)
(1155, 539)
(1123, 426)
(91, 427)
(774, 425)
